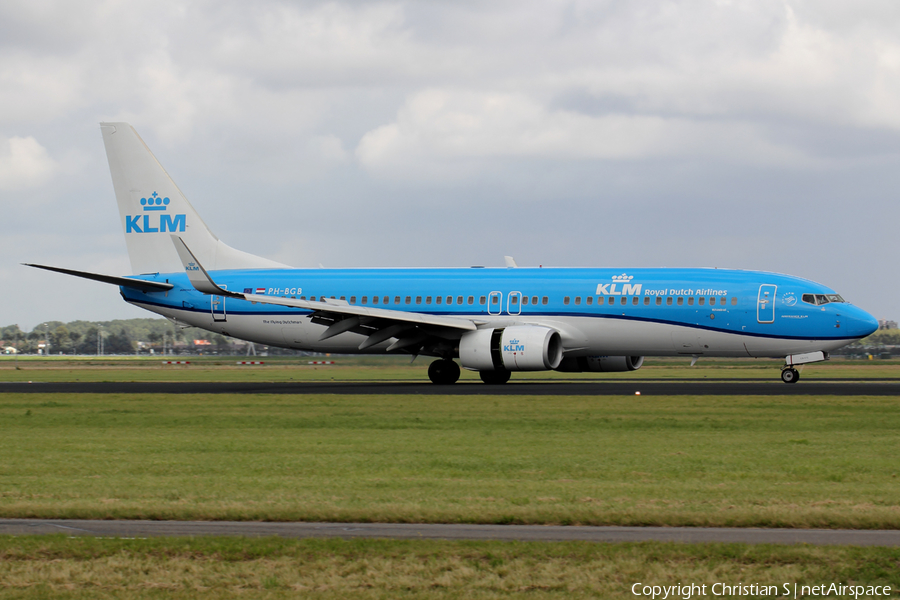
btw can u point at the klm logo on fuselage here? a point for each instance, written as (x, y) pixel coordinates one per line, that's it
(150, 223)
(514, 346)
(627, 289)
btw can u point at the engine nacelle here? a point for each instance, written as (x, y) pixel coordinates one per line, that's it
(600, 364)
(517, 348)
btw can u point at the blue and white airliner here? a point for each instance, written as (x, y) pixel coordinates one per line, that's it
(494, 321)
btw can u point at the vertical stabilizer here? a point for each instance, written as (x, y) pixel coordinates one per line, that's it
(152, 208)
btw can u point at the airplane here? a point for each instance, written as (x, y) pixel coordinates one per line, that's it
(495, 321)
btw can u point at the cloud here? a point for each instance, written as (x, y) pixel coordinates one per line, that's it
(24, 163)
(437, 129)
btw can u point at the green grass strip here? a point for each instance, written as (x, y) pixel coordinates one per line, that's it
(60, 567)
(711, 461)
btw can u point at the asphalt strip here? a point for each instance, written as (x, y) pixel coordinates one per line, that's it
(520, 388)
(406, 531)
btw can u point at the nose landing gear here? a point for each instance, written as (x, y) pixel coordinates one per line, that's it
(790, 375)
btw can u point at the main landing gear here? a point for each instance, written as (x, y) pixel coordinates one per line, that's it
(494, 377)
(443, 372)
(790, 375)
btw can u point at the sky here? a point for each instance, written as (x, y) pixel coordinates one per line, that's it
(759, 134)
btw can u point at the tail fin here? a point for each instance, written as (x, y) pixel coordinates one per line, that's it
(152, 208)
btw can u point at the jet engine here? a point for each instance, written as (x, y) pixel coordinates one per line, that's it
(517, 348)
(600, 364)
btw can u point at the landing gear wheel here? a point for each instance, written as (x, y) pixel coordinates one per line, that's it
(443, 372)
(790, 375)
(494, 377)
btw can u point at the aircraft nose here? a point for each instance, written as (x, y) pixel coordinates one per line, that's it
(860, 323)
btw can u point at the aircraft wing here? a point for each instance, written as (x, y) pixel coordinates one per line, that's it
(378, 324)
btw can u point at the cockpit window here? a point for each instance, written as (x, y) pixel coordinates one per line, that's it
(820, 299)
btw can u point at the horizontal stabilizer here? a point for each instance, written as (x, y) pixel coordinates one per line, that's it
(138, 284)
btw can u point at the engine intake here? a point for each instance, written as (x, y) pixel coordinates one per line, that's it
(517, 348)
(600, 364)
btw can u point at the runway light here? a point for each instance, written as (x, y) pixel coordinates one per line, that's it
(637, 393)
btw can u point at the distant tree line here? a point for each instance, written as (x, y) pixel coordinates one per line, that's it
(121, 336)
(883, 341)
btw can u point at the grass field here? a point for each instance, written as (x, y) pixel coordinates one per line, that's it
(80, 568)
(736, 460)
(731, 461)
(394, 368)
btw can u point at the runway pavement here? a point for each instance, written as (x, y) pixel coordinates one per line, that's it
(534, 533)
(694, 387)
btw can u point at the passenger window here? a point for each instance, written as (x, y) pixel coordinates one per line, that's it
(669, 301)
(680, 300)
(387, 300)
(611, 301)
(734, 300)
(691, 301)
(437, 299)
(634, 301)
(352, 299)
(534, 300)
(701, 300)
(427, 299)
(449, 299)
(471, 299)
(658, 301)
(342, 298)
(365, 300)
(397, 300)
(303, 297)
(524, 300)
(512, 300)
(646, 300)
(577, 300)
(495, 299)
(589, 300)
(374, 300)
(566, 300)
(312, 298)
(459, 300)
(408, 299)
(623, 301)
(545, 300)
(482, 300)
(712, 301)
(418, 299)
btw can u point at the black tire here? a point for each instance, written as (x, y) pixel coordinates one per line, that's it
(494, 377)
(443, 372)
(790, 375)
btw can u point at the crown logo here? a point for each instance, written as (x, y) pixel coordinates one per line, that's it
(622, 278)
(154, 202)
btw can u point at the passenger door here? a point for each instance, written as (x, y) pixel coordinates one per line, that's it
(217, 307)
(765, 303)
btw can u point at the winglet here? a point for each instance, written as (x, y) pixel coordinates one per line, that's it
(510, 262)
(197, 275)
